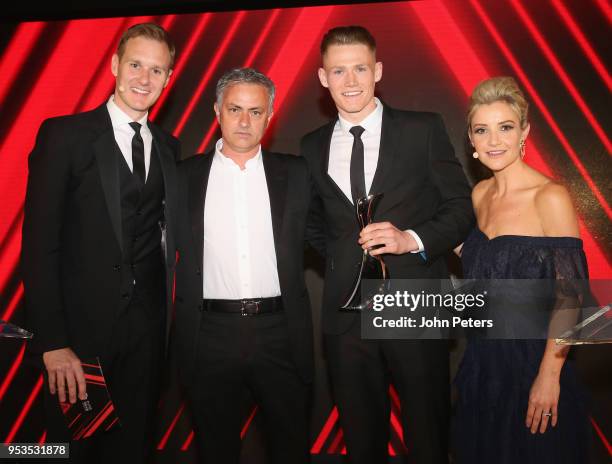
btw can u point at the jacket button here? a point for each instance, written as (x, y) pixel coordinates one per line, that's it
(198, 272)
(125, 296)
(200, 307)
(117, 267)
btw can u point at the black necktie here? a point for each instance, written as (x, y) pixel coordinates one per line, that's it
(138, 153)
(358, 189)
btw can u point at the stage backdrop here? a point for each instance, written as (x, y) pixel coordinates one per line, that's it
(434, 53)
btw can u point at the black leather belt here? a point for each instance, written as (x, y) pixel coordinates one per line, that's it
(247, 307)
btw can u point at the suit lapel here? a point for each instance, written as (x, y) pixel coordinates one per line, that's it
(276, 179)
(106, 152)
(168, 167)
(165, 156)
(386, 153)
(324, 148)
(198, 183)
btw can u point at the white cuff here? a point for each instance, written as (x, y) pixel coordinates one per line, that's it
(418, 240)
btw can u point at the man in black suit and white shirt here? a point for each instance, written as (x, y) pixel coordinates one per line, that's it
(101, 187)
(424, 213)
(243, 322)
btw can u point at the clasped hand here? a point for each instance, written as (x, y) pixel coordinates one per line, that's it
(388, 238)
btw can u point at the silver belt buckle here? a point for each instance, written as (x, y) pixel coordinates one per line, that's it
(250, 308)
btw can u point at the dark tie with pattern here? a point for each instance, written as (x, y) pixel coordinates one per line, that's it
(138, 153)
(358, 188)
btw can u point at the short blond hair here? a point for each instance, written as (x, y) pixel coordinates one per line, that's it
(150, 31)
(501, 88)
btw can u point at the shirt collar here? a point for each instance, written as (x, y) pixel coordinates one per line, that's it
(120, 119)
(372, 123)
(252, 163)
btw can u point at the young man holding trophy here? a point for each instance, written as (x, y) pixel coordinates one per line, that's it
(404, 161)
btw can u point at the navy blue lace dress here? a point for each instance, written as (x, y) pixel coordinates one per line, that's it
(495, 376)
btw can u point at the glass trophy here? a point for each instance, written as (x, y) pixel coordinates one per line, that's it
(372, 267)
(595, 329)
(8, 330)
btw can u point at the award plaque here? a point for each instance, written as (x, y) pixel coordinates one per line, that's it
(372, 267)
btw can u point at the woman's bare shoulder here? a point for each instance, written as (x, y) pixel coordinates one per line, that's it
(556, 211)
(479, 191)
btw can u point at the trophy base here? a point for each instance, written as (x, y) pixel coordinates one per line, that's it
(353, 309)
(358, 304)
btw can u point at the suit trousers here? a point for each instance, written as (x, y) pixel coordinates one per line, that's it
(361, 371)
(241, 359)
(131, 366)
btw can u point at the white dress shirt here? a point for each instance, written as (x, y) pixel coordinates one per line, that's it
(124, 134)
(239, 254)
(339, 168)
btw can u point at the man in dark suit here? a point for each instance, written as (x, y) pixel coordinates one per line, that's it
(97, 256)
(243, 321)
(425, 212)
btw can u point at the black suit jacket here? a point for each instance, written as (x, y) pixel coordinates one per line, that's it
(75, 283)
(289, 190)
(424, 189)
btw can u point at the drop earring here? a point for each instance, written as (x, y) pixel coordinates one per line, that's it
(522, 148)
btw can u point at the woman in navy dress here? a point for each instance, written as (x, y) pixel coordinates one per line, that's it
(519, 400)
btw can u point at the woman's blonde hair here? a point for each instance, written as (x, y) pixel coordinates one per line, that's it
(501, 88)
